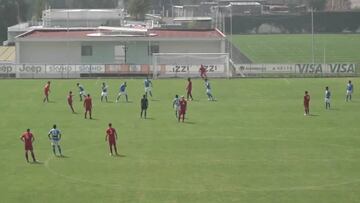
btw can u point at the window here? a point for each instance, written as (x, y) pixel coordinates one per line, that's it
(86, 50)
(154, 48)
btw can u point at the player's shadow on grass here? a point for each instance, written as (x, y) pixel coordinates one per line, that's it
(63, 157)
(149, 118)
(189, 122)
(37, 163)
(120, 155)
(314, 115)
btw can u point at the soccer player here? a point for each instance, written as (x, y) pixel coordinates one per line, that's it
(47, 91)
(70, 101)
(182, 109)
(202, 71)
(188, 90)
(88, 105)
(327, 98)
(104, 92)
(81, 91)
(28, 138)
(144, 103)
(148, 86)
(307, 103)
(55, 137)
(208, 90)
(122, 91)
(176, 105)
(349, 90)
(111, 136)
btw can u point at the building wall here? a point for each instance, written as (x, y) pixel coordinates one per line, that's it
(48, 52)
(137, 53)
(102, 53)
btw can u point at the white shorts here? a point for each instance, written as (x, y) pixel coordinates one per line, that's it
(147, 89)
(348, 92)
(208, 91)
(82, 93)
(327, 100)
(176, 108)
(55, 142)
(104, 94)
(122, 93)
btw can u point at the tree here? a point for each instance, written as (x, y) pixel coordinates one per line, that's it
(138, 8)
(317, 4)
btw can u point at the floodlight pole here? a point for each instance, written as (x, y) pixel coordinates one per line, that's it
(312, 34)
(231, 26)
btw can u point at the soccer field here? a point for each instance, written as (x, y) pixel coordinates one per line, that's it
(295, 48)
(251, 145)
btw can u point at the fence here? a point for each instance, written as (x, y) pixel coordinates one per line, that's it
(115, 70)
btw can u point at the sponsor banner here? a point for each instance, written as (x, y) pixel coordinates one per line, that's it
(60, 68)
(342, 68)
(90, 68)
(186, 69)
(7, 68)
(31, 68)
(135, 68)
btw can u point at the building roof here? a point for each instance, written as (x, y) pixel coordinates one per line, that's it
(92, 33)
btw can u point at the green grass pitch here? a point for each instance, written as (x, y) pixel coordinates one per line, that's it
(328, 48)
(252, 145)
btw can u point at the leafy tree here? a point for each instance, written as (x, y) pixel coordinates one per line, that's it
(138, 8)
(317, 4)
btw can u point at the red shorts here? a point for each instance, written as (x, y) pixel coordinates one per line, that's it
(182, 112)
(306, 105)
(70, 103)
(46, 93)
(112, 142)
(87, 109)
(28, 147)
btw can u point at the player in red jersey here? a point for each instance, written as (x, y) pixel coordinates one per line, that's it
(88, 105)
(182, 109)
(111, 136)
(70, 101)
(307, 103)
(202, 71)
(47, 91)
(188, 90)
(28, 138)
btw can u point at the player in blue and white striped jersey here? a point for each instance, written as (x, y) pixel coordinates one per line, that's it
(208, 90)
(148, 86)
(176, 105)
(349, 90)
(122, 91)
(327, 98)
(104, 91)
(81, 91)
(55, 137)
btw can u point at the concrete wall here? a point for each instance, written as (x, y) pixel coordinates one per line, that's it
(102, 53)
(48, 52)
(137, 53)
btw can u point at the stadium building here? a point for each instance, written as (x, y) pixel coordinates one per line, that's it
(108, 45)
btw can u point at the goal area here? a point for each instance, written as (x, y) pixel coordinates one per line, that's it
(184, 65)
